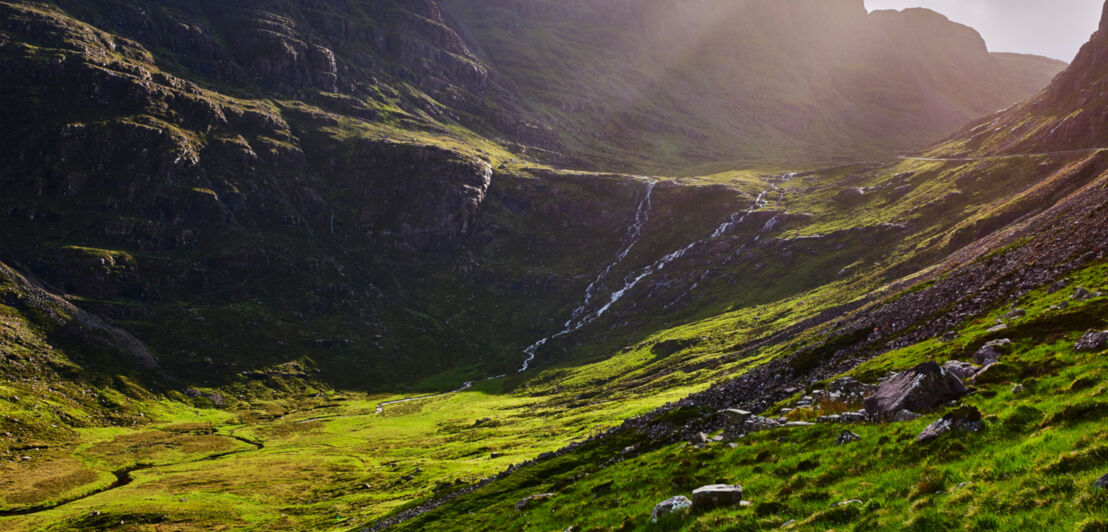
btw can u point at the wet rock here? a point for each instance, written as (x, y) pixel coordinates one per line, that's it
(962, 370)
(531, 501)
(668, 506)
(847, 437)
(965, 418)
(1092, 341)
(992, 351)
(921, 388)
(716, 496)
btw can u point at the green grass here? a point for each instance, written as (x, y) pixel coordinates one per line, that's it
(1034, 463)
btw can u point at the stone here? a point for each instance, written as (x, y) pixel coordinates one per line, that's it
(965, 418)
(962, 370)
(529, 502)
(735, 416)
(1014, 314)
(992, 351)
(669, 506)
(1018, 388)
(716, 496)
(998, 328)
(1092, 341)
(1081, 294)
(1102, 482)
(847, 437)
(921, 388)
(847, 503)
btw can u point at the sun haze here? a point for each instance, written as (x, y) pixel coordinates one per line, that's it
(1053, 28)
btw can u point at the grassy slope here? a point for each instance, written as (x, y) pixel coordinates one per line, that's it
(1035, 462)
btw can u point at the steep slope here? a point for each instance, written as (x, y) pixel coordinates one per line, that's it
(1067, 115)
(757, 80)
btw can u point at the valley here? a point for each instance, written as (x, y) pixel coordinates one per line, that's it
(537, 265)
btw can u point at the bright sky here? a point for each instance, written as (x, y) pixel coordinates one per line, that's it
(1054, 28)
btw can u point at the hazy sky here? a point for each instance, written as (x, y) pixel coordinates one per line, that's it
(1054, 28)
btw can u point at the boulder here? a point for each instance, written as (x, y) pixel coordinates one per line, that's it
(921, 388)
(1014, 314)
(532, 500)
(1081, 294)
(1102, 482)
(1092, 341)
(668, 506)
(847, 437)
(735, 416)
(716, 496)
(965, 418)
(962, 370)
(992, 352)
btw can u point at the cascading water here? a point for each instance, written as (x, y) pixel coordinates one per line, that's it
(642, 213)
(581, 315)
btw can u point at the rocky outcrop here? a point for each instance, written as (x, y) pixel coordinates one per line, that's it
(919, 389)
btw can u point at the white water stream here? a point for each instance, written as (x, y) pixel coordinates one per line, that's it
(581, 316)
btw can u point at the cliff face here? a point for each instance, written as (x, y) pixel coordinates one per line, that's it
(1070, 114)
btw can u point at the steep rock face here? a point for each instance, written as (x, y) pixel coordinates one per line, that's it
(1068, 115)
(419, 194)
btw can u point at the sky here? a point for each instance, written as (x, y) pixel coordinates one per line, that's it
(1054, 28)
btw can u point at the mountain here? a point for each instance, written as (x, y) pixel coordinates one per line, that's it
(760, 80)
(310, 264)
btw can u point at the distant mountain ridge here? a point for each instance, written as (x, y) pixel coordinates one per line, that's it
(650, 84)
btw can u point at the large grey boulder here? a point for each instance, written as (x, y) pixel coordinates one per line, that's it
(965, 418)
(921, 388)
(1092, 341)
(716, 496)
(668, 506)
(992, 352)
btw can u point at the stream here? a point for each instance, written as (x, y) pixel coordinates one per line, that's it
(123, 477)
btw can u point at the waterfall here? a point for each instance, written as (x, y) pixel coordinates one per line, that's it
(581, 315)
